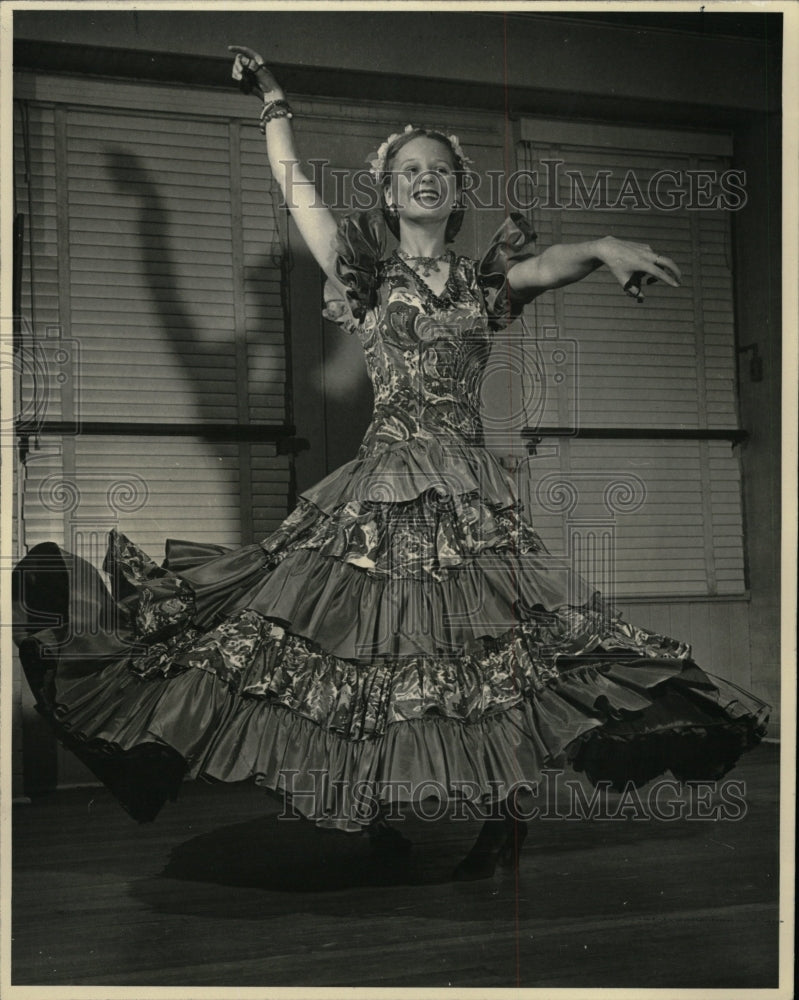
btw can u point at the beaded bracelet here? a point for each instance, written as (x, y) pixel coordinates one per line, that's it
(275, 109)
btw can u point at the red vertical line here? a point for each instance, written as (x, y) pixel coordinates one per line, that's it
(507, 156)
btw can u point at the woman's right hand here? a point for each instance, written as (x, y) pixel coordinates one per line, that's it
(248, 60)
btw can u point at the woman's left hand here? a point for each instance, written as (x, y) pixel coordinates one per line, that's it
(636, 264)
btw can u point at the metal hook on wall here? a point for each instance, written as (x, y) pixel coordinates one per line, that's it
(755, 362)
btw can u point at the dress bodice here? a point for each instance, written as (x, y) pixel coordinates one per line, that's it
(425, 353)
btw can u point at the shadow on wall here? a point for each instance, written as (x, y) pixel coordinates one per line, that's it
(187, 333)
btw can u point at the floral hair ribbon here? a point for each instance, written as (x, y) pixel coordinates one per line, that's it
(377, 160)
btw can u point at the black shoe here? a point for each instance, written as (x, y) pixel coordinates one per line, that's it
(498, 843)
(511, 849)
(475, 866)
(482, 860)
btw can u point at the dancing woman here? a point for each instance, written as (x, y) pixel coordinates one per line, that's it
(405, 629)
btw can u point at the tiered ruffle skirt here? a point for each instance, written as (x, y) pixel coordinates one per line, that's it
(403, 633)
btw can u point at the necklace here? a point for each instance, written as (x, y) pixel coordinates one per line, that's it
(426, 265)
(453, 289)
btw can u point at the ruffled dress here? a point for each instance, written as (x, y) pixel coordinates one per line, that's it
(403, 634)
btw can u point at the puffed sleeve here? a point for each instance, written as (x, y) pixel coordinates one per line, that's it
(360, 246)
(510, 244)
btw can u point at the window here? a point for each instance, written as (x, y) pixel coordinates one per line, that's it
(152, 295)
(643, 516)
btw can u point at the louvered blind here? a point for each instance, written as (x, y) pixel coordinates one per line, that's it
(35, 187)
(643, 517)
(152, 290)
(158, 270)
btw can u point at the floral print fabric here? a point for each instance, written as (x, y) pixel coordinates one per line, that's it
(426, 537)
(404, 622)
(425, 354)
(258, 658)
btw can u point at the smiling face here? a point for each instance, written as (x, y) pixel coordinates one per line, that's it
(422, 182)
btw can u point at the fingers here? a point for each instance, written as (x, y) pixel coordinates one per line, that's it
(637, 264)
(246, 59)
(660, 268)
(665, 269)
(243, 50)
(649, 275)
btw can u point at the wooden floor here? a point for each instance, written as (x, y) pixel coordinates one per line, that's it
(218, 892)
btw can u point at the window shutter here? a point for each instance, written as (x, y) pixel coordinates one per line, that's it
(157, 266)
(668, 511)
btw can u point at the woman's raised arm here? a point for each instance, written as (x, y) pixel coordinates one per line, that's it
(314, 219)
(565, 263)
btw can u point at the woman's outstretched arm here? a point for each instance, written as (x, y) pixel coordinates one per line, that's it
(314, 219)
(565, 263)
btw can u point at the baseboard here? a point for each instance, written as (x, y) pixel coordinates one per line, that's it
(67, 787)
